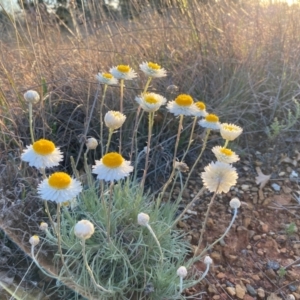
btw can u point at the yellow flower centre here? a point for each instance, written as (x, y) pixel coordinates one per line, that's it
(212, 118)
(184, 100)
(59, 180)
(230, 128)
(123, 68)
(107, 75)
(150, 99)
(200, 105)
(112, 160)
(153, 66)
(226, 151)
(43, 147)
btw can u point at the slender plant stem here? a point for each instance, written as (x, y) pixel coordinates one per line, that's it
(174, 161)
(205, 222)
(191, 138)
(121, 110)
(59, 241)
(31, 122)
(223, 235)
(88, 123)
(101, 117)
(111, 131)
(183, 212)
(47, 207)
(98, 286)
(147, 85)
(109, 210)
(195, 163)
(180, 284)
(150, 126)
(226, 144)
(137, 121)
(157, 241)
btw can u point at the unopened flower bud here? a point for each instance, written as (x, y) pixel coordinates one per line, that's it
(43, 226)
(31, 97)
(143, 219)
(208, 260)
(91, 143)
(34, 240)
(84, 229)
(182, 272)
(114, 119)
(235, 203)
(181, 167)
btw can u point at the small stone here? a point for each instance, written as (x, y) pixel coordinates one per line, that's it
(260, 252)
(247, 297)
(221, 275)
(245, 187)
(255, 277)
(275, 187)
(216, 257)
(264, 228)
(281, 239)
(274, 265)
(251, 290)
(240, 292)
(257, 237)
(292, 275)
(231, 291)
(297, 296)
(281, 174)
(212, 289)
(292, 288)
(261, 293)
(271, 274)
(273, 297)
(290, 297)
(216, 297)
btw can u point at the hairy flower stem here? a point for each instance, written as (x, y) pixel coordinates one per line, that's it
(98, 286)
(109, 209)
(223, 235)
(174, 161)
(157, 241)
(195, 163)
(87, 169)
(31, 122)
(205, 222)
(101, 121)
(191, 138)
(59, 241)
(111, 131)
(121, 110)
(88, 124)
(226, 144)
(47, 207)
(180, 285)
(137, 122)
(150, 126)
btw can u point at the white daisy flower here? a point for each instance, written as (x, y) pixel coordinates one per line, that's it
(153, 70)
(111, 167)
(106, 78)
(123, 72)
(59, 187)
(225, 155)
(114, 119)
(182, 105)
(230, 132)
(201, 109)
(43, 226)
(42, 154)
(91, 143)
(219, 177)
(210, 121)
(150, 102)
(31, 97)
(84, 229)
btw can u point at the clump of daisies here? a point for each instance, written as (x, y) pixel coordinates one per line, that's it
(114, 238)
